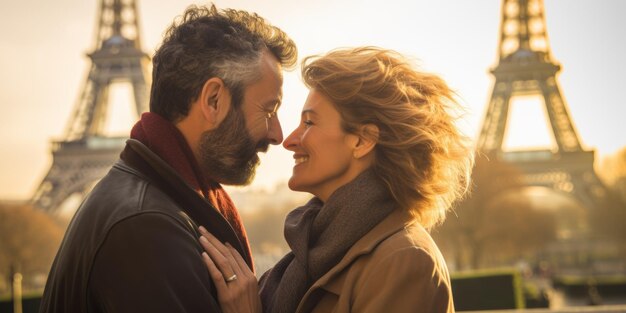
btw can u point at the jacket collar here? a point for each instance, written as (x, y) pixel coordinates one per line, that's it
(139, 159)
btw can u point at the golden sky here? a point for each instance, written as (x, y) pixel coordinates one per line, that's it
(43, 65)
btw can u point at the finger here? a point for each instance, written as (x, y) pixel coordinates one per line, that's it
(222, 262)
(233, 298)
(215, 273)
(222, 249)
(243, 266)
(230, 255)
(214, 241)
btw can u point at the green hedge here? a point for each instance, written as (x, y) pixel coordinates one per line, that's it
(498, 289)
(579, 286)
(30, 303)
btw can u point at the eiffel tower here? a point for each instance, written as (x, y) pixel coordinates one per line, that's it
(85, 153)
(526, 67)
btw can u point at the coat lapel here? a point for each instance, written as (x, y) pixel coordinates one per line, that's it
(193, 204)
(333, 280)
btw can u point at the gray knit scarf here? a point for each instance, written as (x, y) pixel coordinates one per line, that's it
(319, 235)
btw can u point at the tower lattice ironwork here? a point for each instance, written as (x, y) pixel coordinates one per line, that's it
(526, 67)
(86, 152)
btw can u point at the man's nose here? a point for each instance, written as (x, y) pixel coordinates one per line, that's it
(274, 131)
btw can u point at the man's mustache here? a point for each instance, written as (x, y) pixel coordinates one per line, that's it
(263, 146)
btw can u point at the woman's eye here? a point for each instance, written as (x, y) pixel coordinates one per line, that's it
(307, 123)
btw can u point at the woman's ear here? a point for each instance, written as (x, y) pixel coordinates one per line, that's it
(215, 101)
(367, 139)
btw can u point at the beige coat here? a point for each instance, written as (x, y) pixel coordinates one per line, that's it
(393, 269)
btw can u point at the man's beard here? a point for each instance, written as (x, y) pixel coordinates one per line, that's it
(228, 154)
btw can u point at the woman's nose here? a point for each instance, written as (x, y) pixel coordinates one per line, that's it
(292, 140)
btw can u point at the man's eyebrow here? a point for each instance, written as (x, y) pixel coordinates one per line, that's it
(274, 103)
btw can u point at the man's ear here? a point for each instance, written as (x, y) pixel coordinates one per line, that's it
(215, 101)
(367, 139)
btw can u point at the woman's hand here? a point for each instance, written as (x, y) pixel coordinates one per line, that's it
(237, 287)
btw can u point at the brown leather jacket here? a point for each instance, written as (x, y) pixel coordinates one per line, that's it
(132, 245)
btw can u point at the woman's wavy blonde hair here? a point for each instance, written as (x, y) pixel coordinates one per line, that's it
(420, 154)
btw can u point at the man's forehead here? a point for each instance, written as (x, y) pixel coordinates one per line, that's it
(269, 61)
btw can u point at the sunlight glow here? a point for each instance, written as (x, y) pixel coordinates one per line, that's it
(121, 114)
(528, 125)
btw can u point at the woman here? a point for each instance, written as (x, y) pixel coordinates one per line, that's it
(378, 149)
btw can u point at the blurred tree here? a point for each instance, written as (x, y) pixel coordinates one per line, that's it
(517, 230)
(609, 222)
(613, 171)
(496, 223)
(29, 240)
(264, 227)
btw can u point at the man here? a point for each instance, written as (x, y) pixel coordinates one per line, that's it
(132, 245)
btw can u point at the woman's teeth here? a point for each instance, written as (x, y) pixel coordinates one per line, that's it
(301, 160)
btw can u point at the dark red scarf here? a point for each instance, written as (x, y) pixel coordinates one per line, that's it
(164, 139)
